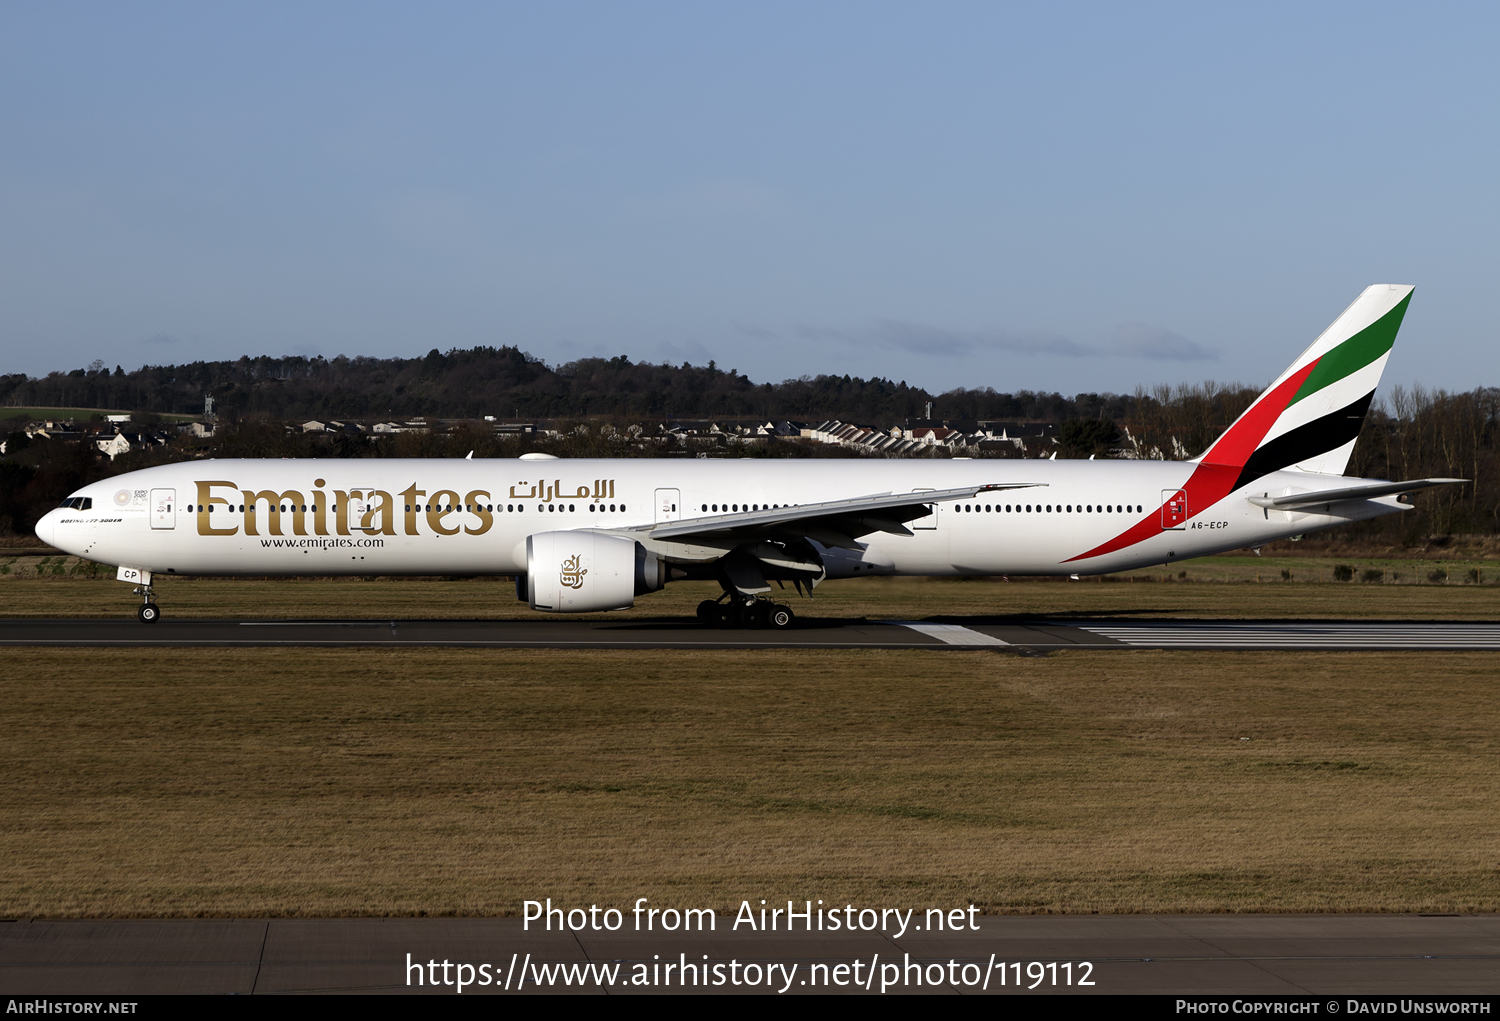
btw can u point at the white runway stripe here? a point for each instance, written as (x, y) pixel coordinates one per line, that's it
(952, 634)
(1309, 636)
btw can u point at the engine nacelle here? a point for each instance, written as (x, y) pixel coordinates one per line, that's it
(582, 572)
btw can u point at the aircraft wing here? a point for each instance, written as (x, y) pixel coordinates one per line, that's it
(834, 523)
(1365, 492)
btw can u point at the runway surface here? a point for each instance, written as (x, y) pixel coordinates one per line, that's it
(830, 633)
(1162, 954)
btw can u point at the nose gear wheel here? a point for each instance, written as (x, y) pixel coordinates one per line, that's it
(148, 612)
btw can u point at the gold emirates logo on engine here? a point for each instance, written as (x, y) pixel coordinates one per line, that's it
(572, 574)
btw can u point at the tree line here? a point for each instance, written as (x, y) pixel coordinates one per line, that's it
(1410, 433)
(507, 382)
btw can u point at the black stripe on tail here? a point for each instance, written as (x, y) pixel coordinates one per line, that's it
(1319, 436)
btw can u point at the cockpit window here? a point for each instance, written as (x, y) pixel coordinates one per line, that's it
(78, 503)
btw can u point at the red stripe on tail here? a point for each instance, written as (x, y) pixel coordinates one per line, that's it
(1236, 445)
(1215, 475)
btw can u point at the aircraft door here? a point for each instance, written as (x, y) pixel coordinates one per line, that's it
(1173, 509)
(163, 508)
(360, 502)
(927, 521)
(668, 505)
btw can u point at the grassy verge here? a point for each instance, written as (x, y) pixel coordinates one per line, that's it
(326, 782)
(82, 414)
(58, 586)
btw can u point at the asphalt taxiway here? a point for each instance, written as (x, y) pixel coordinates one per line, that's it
(1282, 955)
(825, 633)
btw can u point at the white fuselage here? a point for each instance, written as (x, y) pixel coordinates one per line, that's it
(472, 517)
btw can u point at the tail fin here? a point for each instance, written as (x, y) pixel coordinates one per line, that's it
(1310, 417)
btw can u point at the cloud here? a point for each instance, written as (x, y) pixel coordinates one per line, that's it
(918, 338)
(714, 199)
(1137, 340)
(1131, 340)
(433, 221)
(162, 338)
(691, 351)
(732, 195)
(754, 332)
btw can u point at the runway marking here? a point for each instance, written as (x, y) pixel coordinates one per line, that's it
(1217, 635)
(311, 623)
(951, 634)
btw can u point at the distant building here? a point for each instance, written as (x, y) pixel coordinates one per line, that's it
(114, 446)
(124, 442)
(53, 430)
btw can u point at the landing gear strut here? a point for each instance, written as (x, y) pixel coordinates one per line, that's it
(739, 612)
(149, 612)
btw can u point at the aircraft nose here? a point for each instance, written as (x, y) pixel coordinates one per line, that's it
(46, 527)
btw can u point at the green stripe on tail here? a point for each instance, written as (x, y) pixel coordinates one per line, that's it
(1355, 353)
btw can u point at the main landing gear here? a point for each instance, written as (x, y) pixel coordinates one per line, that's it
(149, 612)
(745, 613)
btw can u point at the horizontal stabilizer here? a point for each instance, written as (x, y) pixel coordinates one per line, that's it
(1366, 492)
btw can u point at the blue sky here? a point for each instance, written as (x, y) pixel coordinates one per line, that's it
(1065, 196)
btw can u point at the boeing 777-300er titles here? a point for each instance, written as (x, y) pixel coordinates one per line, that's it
(587, 535)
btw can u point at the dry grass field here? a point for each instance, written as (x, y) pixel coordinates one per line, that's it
(332, 782)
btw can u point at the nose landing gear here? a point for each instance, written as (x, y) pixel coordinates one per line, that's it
(148, 612)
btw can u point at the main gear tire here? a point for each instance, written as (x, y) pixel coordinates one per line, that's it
(781, 617)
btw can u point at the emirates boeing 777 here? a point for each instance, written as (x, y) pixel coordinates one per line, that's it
(590, 535)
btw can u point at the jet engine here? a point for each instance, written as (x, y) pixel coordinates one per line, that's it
(582, 572)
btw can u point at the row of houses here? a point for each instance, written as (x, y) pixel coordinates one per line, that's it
(909, 439)
(415, 425)
(1037, 439)
(110, 437)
